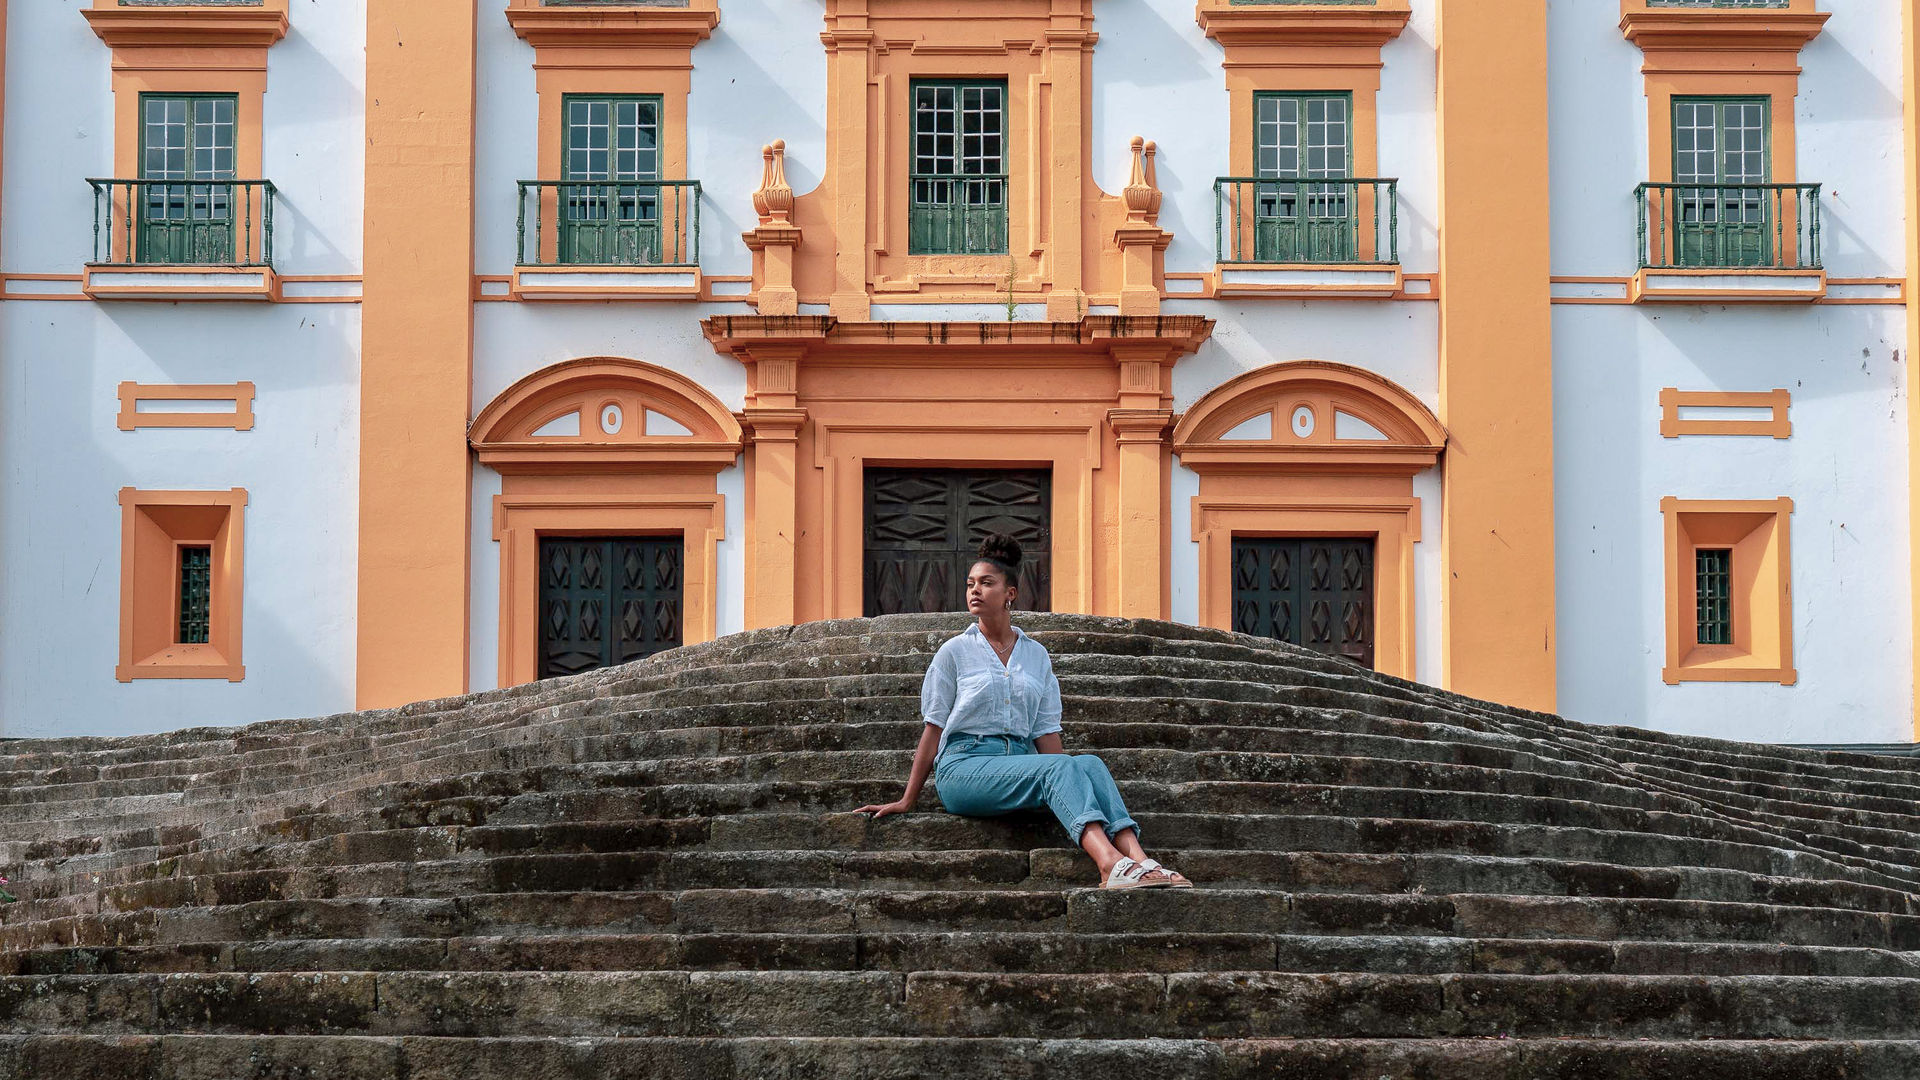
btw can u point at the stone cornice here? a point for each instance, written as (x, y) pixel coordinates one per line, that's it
(649, 27)
(1175, 334)
(186, 26)
(1720, 30)
(1303, 24)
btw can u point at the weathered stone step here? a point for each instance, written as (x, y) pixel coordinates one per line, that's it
(972, 908)
(487, 803)
(867, 736)
(180, 1057)
(1267, 850)
(918, 1004)
(1045, 952)
(677, 848)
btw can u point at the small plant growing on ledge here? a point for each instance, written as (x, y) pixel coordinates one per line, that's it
(5, 896)
(1013, 311)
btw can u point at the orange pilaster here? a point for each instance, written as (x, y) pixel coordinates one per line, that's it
(1496, 353)
(416, 353)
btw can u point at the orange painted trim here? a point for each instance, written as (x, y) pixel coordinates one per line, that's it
(1757, 531)
(588, 384)
(1895, 298)
(1391, 520)
(1413, 439)
(520, 519)
(154, 525)
(133, 393)
(1776, 402)
(415, 483)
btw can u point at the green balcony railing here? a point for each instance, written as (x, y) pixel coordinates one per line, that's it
(183, 222)
(1343, 220)
(609, 223)
(957, 214)
(1729, 226)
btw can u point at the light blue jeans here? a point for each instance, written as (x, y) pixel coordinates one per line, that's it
(989, 775)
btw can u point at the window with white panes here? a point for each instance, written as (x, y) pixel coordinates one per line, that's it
(959, 203)
(1722, 206)
(1298, 138)
(610, 171)
(186, 168)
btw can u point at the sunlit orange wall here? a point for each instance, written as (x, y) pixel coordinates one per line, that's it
(1496, 353)
(417, 346)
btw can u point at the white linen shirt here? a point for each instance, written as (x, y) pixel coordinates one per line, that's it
(968, 691)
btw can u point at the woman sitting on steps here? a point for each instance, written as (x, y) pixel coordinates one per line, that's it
(992, 734)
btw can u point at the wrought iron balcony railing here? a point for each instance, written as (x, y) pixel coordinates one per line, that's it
(183, 222)
(1333, 220)
(958, 215)
(1729, 226)
(609, 223)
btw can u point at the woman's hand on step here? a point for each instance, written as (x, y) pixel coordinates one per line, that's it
(880, 810)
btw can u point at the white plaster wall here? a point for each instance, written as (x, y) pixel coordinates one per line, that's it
(63, 462)
(59, 104)
(62, 458)
(1156, 74)
(1847, 125)
(1844, 468)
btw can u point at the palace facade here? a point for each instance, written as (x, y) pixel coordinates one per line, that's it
(356, 352)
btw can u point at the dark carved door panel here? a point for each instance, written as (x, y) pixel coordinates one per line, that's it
(1309, 591)
(607, 600)
(924, 525)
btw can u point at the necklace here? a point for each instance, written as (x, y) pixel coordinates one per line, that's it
(1003, 654)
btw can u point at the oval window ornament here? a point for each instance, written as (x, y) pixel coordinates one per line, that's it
(1303, 422)
(611, 419)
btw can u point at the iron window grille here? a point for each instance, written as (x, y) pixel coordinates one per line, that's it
(1713, 596)
(196, 594)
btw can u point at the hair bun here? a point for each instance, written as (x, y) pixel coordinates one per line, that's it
(1002, 549)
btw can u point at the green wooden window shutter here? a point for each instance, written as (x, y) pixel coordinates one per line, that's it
(609, 201)
(1721, 154)
(958, 204)
(190, 139)
(1300, 138)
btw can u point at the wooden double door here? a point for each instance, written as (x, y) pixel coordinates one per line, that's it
(1311, 591)
(607, 600)
(923, 526)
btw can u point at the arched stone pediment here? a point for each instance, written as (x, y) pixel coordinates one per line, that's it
(1309, 414)
(604, 413)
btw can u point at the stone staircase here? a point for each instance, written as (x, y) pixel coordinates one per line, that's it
(655, 871)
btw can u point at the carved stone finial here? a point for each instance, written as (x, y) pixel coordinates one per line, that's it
(766, 181)
(1142, 200)
(1153, 181)
(774, 200)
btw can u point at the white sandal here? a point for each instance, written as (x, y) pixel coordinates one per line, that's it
(1126, 874)
(1178, 880)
